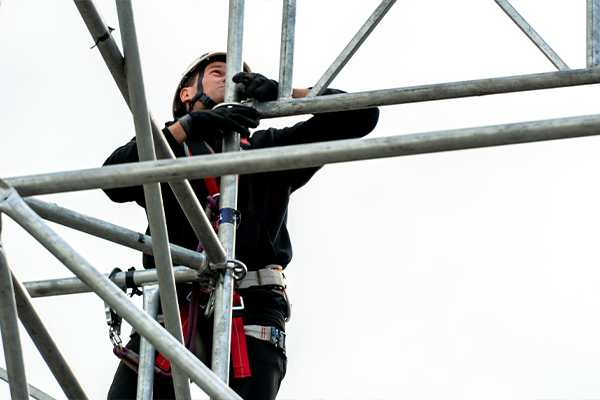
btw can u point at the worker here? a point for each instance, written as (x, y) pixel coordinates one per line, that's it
(263, 242)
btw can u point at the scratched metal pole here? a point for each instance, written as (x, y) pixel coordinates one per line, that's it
(358, 39)
(146, 369)
(35, 392)
(12, 204)
(152, 192)
(532, 34)
(183, 191)
(286, 51)
(43, 340)
(9, 324)
(593, 33)
(228, 201)
(114, 233)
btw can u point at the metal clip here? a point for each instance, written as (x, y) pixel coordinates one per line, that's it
(239, 268)
(210, 305)
(114, 337)
(278, 338)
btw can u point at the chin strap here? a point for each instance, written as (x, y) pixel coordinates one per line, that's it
(200, 95)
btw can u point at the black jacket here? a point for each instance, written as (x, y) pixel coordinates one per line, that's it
(262, 236)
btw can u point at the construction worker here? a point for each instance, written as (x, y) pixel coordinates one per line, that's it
(263, 242)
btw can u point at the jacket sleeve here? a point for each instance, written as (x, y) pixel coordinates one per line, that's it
(323, 127)
(128, 153)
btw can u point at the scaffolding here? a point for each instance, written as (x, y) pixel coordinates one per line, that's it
(158, 164)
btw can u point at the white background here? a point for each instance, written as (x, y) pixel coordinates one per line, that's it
(468, 274)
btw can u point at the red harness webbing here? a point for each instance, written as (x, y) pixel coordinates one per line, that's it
(239, 351)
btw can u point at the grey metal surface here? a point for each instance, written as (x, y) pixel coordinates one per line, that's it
(18, 210)
(317, 154)
(351, 48)
(286, 50)
(532, 34)
(593, 33)
(146, 368)
(33, 391)
(114, 233)
(228, 199)
(183, 191)
(43, 340)
(152, 192)
(442, 91)
(9, 324)
(61, 286)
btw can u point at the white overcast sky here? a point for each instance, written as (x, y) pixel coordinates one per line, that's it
(468, 274)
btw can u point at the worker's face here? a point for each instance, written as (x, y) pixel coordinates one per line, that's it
(213, 84)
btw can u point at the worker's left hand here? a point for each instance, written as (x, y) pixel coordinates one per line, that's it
(256, 86)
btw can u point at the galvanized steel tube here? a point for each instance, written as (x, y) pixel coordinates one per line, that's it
(11, 204)
(593, 33)
(9, 324)
(152, 192)
(416, 94)
(351, 47)
(228, 200)
(43, 340)
(62, 286)
(114, 233)
(146, 368)
(541, 44)
(183, 191)
(286, 51)
(312, 155)
(33, 391)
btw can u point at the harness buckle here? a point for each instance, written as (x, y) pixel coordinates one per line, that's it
(209, 307)
(278, 338)
(115, 338)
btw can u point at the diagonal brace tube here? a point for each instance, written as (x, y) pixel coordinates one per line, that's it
(351, 48)
(532, 34)
(9, 324)
(12, 204)
(46, 345)
(183, 191)
(33, 391)
(114, 233)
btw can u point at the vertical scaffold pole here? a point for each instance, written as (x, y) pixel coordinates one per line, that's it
(146, 369)
(228, 201)
(45, 344)
(152, 192)
(286, 52)
(9, 324)
(593, 33)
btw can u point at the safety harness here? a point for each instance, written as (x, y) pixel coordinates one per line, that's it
(202, 298)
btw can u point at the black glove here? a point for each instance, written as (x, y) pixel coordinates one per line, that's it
(236, 118)
(256, 86)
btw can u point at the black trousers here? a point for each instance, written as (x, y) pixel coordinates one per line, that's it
(267, 367)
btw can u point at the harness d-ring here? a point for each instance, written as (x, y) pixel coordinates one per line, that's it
(239, 268)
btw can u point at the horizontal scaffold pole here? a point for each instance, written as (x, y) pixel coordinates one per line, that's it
(56, 287)
(303, 156)
(417, 94)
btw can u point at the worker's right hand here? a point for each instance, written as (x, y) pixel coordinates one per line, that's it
(237, 118)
